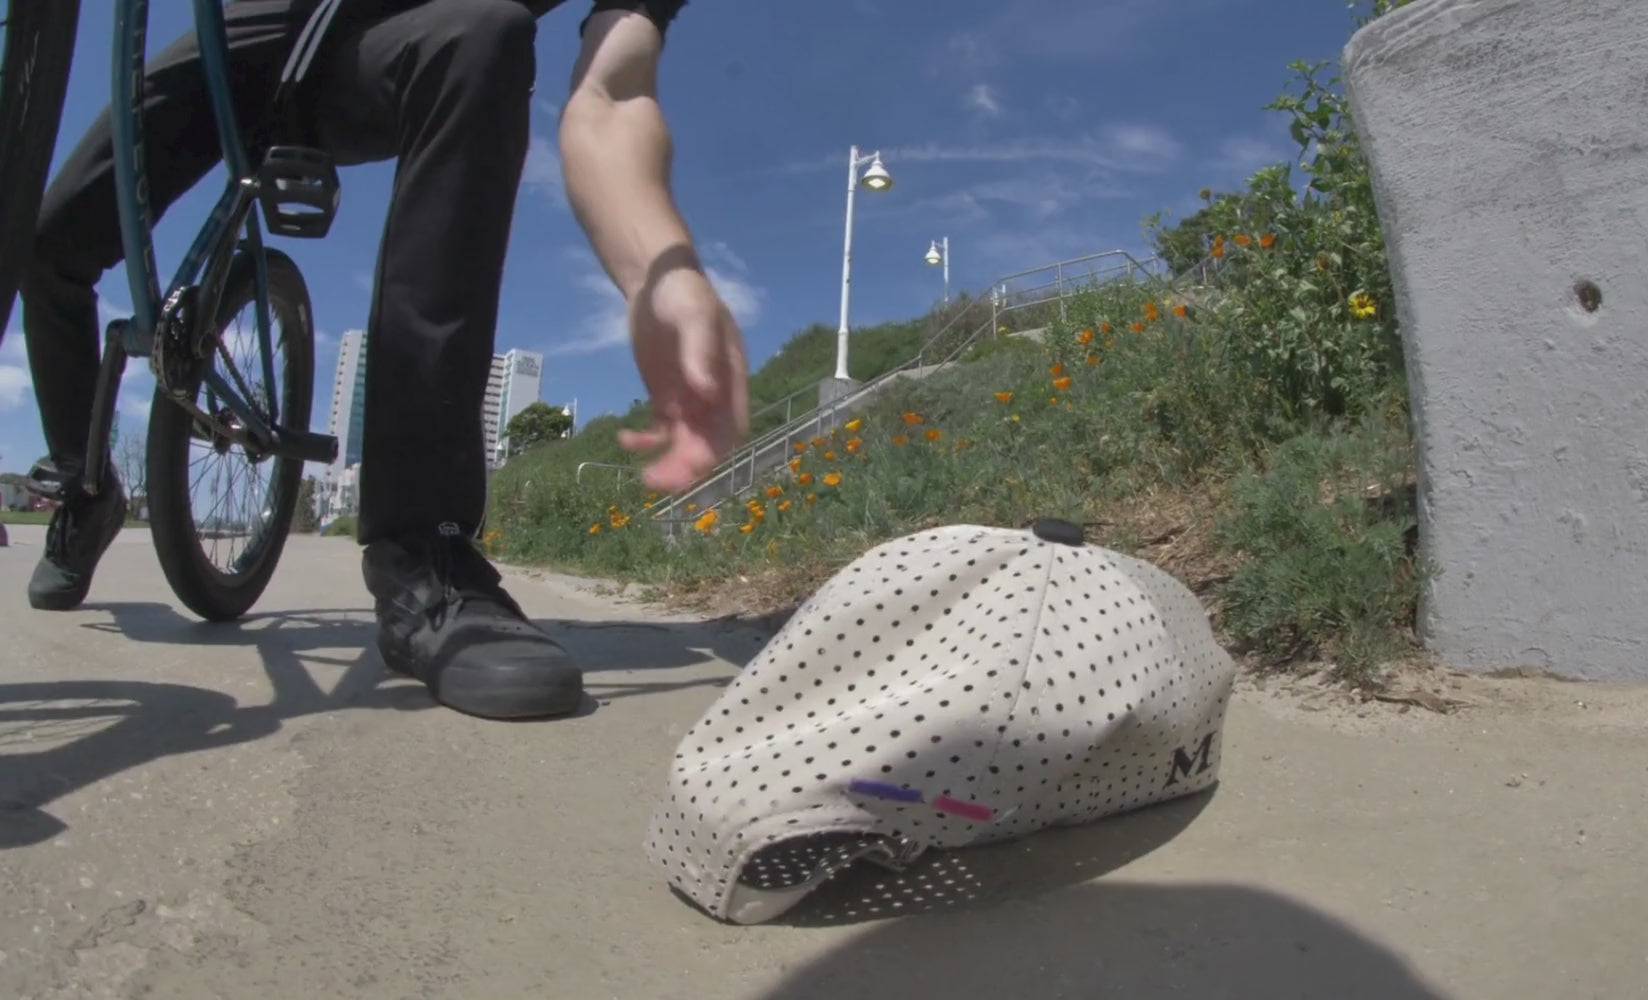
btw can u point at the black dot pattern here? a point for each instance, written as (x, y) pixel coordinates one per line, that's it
(1048, 684)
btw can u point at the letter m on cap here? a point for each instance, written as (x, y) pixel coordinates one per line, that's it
(1192, 763)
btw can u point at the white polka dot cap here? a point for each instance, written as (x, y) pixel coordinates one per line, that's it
(953, 687)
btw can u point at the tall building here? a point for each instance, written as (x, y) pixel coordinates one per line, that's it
(516, 379)
(348, 422)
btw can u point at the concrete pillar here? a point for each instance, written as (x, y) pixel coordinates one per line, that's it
(1509, 146)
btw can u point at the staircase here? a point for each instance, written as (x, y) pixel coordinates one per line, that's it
(754, 462)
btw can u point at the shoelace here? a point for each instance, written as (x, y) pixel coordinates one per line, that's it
(464, 577)
(63, 527)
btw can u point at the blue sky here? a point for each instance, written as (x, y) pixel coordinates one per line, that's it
(1027, 131)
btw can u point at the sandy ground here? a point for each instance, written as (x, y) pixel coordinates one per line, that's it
(253, 811)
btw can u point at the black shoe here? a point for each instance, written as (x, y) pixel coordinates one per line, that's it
(445, 619)
(81, 530)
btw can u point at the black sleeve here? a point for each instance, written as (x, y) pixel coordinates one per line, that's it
(659, 12)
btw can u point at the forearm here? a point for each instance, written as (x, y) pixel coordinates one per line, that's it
(615, 156)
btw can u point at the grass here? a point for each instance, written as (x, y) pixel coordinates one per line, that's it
(1248, 433)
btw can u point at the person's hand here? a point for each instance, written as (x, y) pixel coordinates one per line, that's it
(690, 354)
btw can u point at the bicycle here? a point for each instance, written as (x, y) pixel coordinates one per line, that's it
(183, 332)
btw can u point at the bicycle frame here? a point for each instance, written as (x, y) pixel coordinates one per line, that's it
(208, 258)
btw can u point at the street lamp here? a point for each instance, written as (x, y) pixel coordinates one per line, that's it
(939, 253)
(876, 178)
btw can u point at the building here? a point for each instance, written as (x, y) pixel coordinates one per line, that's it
(517, 377)
(348, 420)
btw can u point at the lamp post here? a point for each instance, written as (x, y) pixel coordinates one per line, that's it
(875, 178)
(939, 253)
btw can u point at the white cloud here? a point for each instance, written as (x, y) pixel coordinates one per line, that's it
(607, 325)
(542, 172)
(1150, 141)
(1244, 154)
(15, 385)
(982, 99)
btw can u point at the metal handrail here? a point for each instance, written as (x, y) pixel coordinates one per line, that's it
(578, 477)
(750, 451)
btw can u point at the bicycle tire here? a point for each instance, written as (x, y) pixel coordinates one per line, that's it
(34, 78)
(207, 591)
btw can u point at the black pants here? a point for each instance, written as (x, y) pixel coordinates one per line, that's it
(444, 86)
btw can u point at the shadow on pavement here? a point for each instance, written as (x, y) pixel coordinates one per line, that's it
(1115, 941)
(60, 736)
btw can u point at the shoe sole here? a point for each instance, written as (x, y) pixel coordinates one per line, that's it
(489, 697)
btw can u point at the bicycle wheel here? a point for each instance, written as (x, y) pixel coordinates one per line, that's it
(34, 76)
(187, 544)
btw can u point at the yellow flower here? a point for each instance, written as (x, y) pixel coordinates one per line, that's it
(1004, 398)
(595, 529)
(746, 528)
(832, 479)
(1061, 384)
(772, 547)
(1014, 418)
(933, 434)
(1362, 305)
(775, 491)
(706, 521)
(691, 507)
(652, 496)
(853, 425)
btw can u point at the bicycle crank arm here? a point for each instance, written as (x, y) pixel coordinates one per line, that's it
(306, 445)
(109, 373)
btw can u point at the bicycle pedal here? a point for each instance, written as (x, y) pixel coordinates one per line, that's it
(299, 190)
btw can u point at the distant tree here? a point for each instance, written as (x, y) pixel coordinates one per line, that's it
(305, 520)
(131, 460)
(537, 423)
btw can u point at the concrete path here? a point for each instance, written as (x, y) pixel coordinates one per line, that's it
(252, 811)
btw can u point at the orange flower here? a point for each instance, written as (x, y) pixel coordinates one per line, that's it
(1085, 337)
(963, 443)
(914, 418)
(853, 445)
(933, 434)
(1243, 239)
(1056, 370)
(805, 478)
(784, 505)
(1218, 250)
(819, 442)
(1092, 359)
(1104, 327)
(1061, 384)
(800, 446)
(691, 507)
(795, 465)
(775, 491)
(829, 456)
(899, 439)
(595, 529)
(746, 528)
(811, 497)
(1052, 400)
(832, 479)
(1150, 313)
(1136, 327)
(1268, 240)
(707, 521)
(1004, 397)
(1181, 310)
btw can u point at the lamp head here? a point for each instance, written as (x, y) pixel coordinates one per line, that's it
(876, 177)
